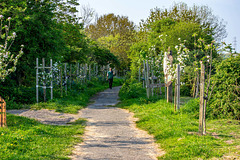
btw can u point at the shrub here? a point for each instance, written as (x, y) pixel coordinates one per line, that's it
(131, 89)
(225, 102)
(192, 107)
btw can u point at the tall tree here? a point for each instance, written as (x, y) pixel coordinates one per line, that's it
(115, 33)
(202, 15)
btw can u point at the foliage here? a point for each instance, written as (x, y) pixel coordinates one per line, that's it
(115, 33)
(8, 61)
(225, 100)
(49, 29)
(192, 108)
(201, 15)
(131, 89)
(28, 139)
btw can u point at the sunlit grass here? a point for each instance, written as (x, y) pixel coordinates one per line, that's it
(176, 132)
(28, 139)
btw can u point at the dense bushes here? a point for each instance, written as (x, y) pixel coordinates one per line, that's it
(131, 89)
(225, 99)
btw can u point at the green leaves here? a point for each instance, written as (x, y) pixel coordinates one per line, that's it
(225, 102)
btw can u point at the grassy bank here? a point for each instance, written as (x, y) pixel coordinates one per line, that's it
(176, 132)
(27, 139)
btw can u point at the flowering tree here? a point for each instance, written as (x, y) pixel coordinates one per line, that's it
(8, 61)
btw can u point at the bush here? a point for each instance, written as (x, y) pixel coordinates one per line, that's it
(225, 102)
(192, 108)
(185, 90)
(131, 89)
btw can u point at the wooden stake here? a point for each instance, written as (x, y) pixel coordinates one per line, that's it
(178, 87)
(37, 80)
(144, 75)
(66, 79)
(147, 81)
(201, 107)
(61, 75)
(3, 119)
(169, 94)
(51, 72)
(44, 81)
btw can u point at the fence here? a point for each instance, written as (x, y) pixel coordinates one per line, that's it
(63, 75)
(151, 82)
(2, 113)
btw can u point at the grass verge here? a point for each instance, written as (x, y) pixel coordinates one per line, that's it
(25, 139)
(176, 131)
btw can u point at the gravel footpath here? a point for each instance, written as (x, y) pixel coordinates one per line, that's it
(46, 116)
(111, 133)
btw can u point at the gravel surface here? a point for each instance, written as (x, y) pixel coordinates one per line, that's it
(46, 116)
(111, 133)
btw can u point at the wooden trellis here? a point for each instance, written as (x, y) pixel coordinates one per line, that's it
(3, 121)
(147, 71)
(44, 85)
(65, 75)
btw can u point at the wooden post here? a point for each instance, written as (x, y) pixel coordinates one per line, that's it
(77, 72)
(89, 72)
(165, 92)
(3, 119)
(175, 97)
(147, 82)
(37, 80)
(85, 73)
(152, 80)
(201, 107)
(61, 75)
(44, 80)
(178, 87)
(144, 75)
(66, 79)
(51, 72)
(70, 77)
(169, 93)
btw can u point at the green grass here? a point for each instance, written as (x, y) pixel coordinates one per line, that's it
(77, 99)
(28, 139)
(176, 131)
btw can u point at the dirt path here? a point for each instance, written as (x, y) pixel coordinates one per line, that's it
(111, 133)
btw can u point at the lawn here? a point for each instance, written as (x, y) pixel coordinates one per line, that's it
(176, 132)
(25, 138)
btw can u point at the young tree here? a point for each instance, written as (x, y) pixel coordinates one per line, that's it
(8, 60)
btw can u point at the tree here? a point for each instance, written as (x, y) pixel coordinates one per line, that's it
(115, 33)
(8, 61)
(201, 15)
(87, 14)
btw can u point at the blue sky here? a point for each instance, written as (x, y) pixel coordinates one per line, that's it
(229, 10)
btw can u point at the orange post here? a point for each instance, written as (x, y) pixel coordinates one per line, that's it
(3, 121)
